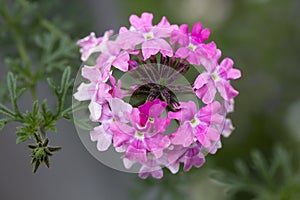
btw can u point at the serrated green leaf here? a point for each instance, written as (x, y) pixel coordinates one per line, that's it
(2, 124)
(12, 85)
(22, 139)
(4, 110)
(65, 80)
(35, 108)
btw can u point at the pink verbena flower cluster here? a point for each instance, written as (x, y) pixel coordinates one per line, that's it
(140, 130)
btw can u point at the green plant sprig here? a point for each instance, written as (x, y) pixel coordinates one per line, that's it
(37, 122)
(34, 56)
(263, 178)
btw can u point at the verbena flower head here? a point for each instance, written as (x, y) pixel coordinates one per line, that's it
(157, 94)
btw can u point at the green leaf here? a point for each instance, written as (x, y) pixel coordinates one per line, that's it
(51, 83)
(22, 139)
(35, 108)
(4, 110)
(2, 124)
(12, 85)
(65, 81)
(12, 89)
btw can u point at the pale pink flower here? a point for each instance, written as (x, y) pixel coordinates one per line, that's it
(217, 78)
(192, 157)
(150, 37)
(112, 55)
(114, 112)
(196, 125)
(87, 90)
(90, 44)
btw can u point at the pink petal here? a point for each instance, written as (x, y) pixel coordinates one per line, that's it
(234, 74)
(193, 58)
(91, 73)
(136, 154)
(141, 23)
(129, 39)
(210, 94)
(153, 46)
(122, 133)
(121, 62)
(157, 143)
(85, 92)
(228, 128)
(95, 111)
(187, 111)
(103, 138)
(183, 136)
(182, 52)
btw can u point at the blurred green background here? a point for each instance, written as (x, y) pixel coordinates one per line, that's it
(263, 38)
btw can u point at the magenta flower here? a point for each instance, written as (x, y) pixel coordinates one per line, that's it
(150, 37)
(138, 140)
(217, 78)
(196, 125)
(193, 49)
(90, 43)
(149, 115)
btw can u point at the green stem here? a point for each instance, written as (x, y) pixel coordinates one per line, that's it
(33, 92)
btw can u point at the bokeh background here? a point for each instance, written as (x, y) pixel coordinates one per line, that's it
(263, 38)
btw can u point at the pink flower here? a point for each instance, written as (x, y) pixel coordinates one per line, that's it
(217, 78)
(196, 125)
(151, 37)
(112, 55)
(138, 140)
(151, 168)
(89, 43)
(149, 115)
(193, 49)
(192, 157)
(87, 90)
(228, 128)
(116, 112)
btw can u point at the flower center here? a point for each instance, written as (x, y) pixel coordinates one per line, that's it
(111, 59)
(194, 122)
(151, 119)
(215, 76)
(192, 47)
(148, 35)
(139, 135)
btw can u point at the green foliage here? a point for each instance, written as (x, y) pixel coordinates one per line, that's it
(37, 50)
(40, 120)
(263, 178)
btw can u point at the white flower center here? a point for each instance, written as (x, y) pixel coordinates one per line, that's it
(215, 76)
(192, 47)
(148, 36)
(139, 135)
(194, 122)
